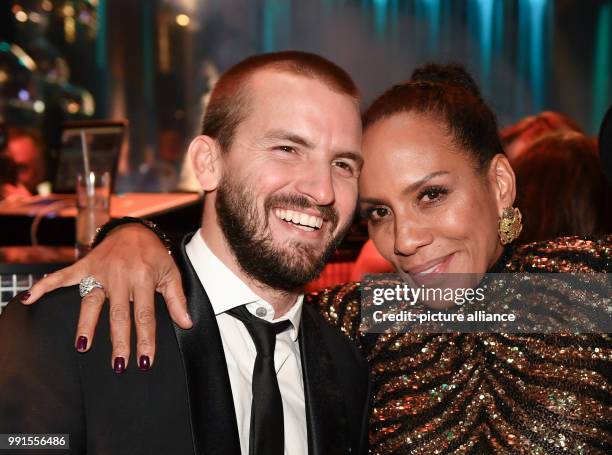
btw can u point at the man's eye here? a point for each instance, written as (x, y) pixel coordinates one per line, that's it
(348, 168)
(286, 148)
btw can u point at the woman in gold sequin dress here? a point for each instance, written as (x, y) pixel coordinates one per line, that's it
(435, 189)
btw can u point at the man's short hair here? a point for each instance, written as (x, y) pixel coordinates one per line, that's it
(230, 101)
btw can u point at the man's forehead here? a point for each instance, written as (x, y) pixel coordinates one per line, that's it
(273, 80)
(287, 100)
(264, 81)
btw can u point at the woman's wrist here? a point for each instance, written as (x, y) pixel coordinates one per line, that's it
(103, 231)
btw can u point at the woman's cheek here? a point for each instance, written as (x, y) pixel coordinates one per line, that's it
(457, 219)
(383, 240)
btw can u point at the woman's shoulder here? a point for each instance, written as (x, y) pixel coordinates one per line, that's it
(578, 254)
(340, 306)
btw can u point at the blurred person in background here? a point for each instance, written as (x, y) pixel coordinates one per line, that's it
(23, 153)
(518, 137)
(9, 188)
(561, 189)
(22, 162)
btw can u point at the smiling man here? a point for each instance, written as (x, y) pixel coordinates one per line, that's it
(258, 373)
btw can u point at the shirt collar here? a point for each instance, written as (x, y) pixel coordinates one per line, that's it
(226, 290)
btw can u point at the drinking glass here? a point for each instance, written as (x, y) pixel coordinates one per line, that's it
(93, 207)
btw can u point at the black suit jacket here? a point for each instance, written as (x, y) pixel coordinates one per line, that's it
(184, 404)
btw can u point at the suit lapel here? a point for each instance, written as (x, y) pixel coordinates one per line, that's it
(325, 409)
(211, 405)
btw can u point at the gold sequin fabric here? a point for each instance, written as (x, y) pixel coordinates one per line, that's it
(490, 393)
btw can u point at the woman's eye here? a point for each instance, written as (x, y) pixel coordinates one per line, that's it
(432, 194)
(375, 214)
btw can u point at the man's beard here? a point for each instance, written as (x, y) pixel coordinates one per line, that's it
(286, 267)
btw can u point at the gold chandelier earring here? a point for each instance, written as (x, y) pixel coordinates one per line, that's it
(510, 225)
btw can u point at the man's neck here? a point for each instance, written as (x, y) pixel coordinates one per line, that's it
(281, 300)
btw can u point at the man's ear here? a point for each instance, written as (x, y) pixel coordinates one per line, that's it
(205, 155)
(503, 182)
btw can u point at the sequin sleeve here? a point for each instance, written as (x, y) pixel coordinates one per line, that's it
(341, 307)
(566, 254)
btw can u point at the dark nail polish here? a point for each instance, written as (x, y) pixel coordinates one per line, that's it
(81, 344)
(25, 296)
(144, 363)
(119, 365)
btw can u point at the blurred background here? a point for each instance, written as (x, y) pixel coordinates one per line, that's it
(152, 62)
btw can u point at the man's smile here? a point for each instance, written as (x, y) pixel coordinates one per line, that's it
(300, 220)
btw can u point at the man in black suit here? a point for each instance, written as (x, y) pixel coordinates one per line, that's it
(258, 373)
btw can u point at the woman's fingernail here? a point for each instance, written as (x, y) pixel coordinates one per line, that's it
(81, 344)
(144, 363)
(119, 365)
(25, 296)
(188, 317)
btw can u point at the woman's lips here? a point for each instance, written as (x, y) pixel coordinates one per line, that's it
(437, 265)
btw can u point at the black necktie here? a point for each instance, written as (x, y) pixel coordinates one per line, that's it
(267, 434)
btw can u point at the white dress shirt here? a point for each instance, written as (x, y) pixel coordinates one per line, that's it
(226, 291)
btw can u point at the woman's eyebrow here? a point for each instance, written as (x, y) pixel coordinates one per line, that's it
(409, 189)
(370, 200)
(416, 185)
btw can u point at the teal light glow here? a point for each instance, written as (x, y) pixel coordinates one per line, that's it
(276, 24)
(537, 51)
(101, 49)
(429, 10)
(485, 38)
(380, 17)
(498, 28)
(602, 79)
(532, 53)
(394, 13)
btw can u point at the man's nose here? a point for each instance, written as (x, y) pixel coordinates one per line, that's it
(316, 182)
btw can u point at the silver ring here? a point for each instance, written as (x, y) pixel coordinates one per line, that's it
(88, 284)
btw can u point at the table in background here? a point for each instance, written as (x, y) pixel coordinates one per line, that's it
(22, 266)
(175, 213)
